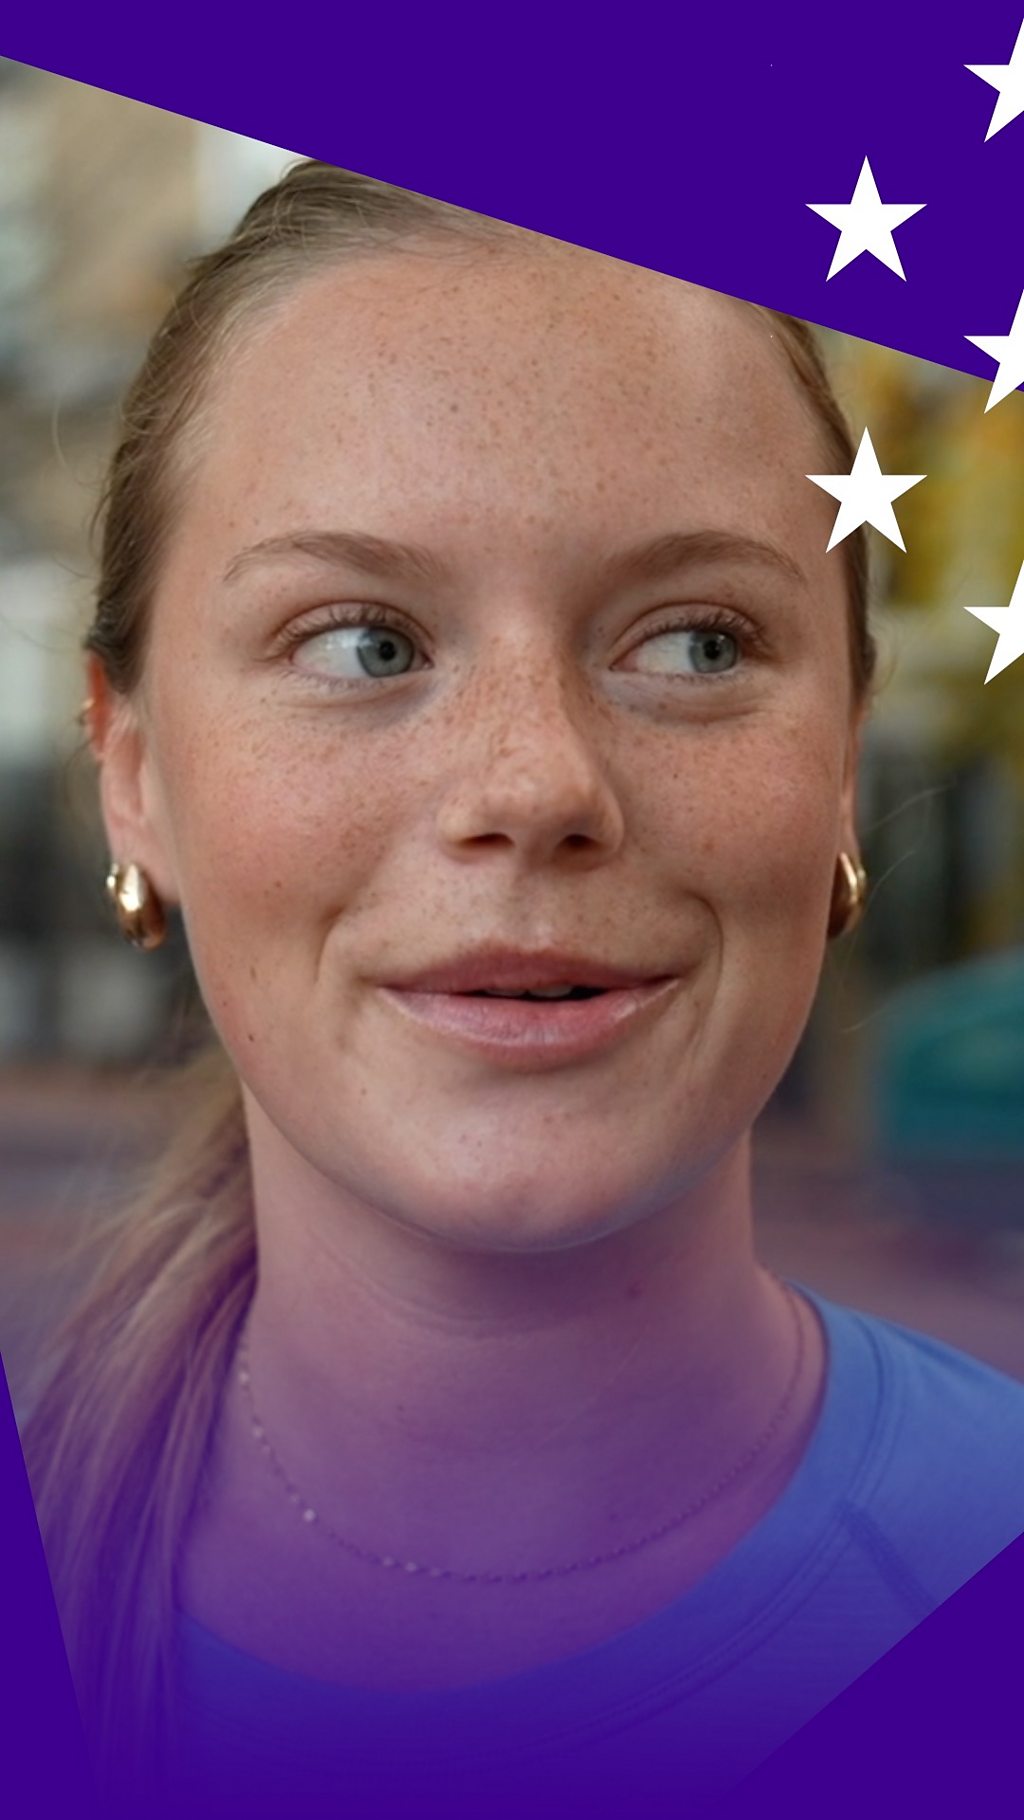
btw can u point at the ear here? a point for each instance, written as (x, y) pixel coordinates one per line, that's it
(130, 799)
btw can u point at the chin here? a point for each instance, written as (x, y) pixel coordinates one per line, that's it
(534, 1222)
(532, 1236)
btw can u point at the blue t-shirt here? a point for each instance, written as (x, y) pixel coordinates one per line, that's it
(912, 1481)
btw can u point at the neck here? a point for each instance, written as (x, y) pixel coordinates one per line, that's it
(431, 1395)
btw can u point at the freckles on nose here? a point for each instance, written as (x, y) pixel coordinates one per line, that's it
(543, 735)
(528, 697)
(536, 773)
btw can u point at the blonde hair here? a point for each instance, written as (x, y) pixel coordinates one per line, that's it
(117, 1441)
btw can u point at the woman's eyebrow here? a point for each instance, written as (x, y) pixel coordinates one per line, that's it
(653, 560)
(661, 557)
(356, 549)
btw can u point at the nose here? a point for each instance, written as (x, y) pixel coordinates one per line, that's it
(531, 764)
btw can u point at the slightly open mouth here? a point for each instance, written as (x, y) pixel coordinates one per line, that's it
(534, 1029)
(540, 998)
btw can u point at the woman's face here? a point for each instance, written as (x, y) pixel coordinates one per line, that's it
(541, 758)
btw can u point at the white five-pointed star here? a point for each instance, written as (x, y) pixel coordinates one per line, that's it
(1009, 623)
(1008, 81)
(1008, 352)
(865, 224)
(865, 495)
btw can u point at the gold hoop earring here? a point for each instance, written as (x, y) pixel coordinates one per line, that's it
(140, 914)
(849, 892)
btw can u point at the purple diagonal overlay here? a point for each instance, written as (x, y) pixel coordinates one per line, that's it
(687, 140)
(933, 1728)
(42, 1756)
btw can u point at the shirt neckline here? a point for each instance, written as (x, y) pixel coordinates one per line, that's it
(765, 1576)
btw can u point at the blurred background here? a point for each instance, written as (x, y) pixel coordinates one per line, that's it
(890, 1164)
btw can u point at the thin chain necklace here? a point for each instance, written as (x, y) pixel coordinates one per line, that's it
(311, 1516)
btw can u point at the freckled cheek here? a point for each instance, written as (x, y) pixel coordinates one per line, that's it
(283, 839)
(755, 829)
(275, 872)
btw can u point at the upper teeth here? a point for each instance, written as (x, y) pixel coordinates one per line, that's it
(537, 991)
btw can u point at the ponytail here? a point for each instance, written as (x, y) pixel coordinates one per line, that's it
(116, 1442)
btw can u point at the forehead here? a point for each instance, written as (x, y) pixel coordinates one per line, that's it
(487, 385)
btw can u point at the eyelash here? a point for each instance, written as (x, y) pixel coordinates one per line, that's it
(711, 619)
(340, 617)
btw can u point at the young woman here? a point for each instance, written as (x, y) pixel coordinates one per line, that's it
(469, 671)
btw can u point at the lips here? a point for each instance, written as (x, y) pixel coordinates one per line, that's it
(551, 995)
(499, 969)
(536, 1034)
